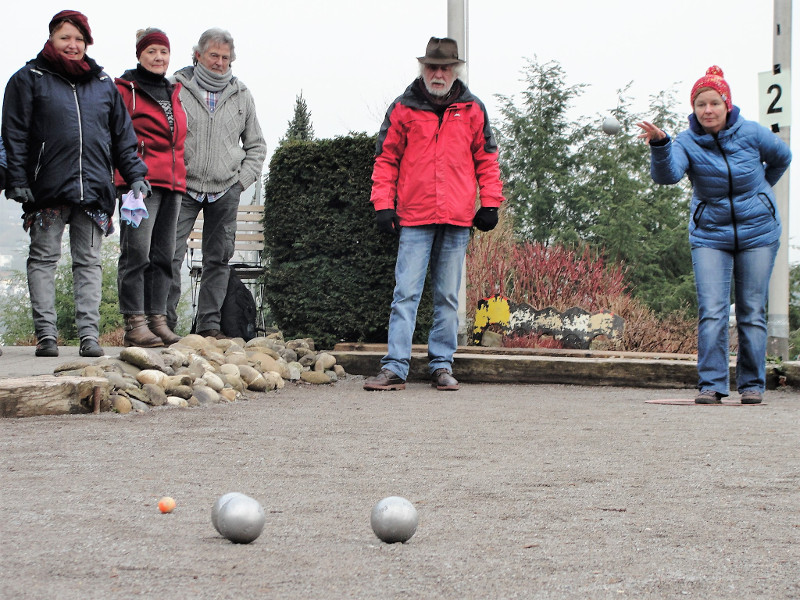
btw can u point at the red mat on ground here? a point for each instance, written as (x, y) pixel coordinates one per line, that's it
(690, 402)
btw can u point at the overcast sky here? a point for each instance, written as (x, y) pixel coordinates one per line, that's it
(351, 58)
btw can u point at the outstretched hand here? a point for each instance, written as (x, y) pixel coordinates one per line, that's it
(651, 132)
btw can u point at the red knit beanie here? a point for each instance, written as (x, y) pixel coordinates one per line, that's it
(156, 37)
(76, 18)
(714, 79)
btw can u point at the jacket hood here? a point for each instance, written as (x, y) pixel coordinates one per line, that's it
(415, 98)
(731, 120)
(129, 75)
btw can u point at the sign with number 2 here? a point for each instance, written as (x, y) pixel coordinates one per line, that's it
(774, 99)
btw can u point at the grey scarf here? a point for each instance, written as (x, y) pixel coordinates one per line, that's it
(209, 80)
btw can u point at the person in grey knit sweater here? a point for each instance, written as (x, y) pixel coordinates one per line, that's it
(224, 152)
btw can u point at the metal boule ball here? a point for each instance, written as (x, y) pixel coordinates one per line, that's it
(611, 126)
(218, 504)
(241, 519)
(394, 519)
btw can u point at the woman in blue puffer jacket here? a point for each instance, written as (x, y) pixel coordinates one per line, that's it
(734, 229)
(65, 129)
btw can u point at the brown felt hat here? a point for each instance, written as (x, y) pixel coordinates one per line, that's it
(441, 51)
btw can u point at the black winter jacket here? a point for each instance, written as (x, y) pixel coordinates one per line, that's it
(64, 138)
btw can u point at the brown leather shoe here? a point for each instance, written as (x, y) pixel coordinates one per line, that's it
(215, 333)
(752, 397)
(708, 397)
(385, 380)
(138, 334)
(442, 379)
(158, 325)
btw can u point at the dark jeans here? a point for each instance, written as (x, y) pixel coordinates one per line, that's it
(145, 262)
(219, 235)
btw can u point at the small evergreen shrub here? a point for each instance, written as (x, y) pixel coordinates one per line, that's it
(330, 272)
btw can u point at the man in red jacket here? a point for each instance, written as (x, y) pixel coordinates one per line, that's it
(435, 150)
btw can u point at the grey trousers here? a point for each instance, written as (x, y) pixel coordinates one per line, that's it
(85, 239)
(219, 236)
(144, 273)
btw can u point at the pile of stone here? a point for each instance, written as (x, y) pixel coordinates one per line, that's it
(203, 370)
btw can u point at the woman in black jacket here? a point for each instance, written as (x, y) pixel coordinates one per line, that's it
(65, 129)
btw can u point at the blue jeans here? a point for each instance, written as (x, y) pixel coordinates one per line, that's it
(444, 247)
(219, 237)
(750, 270)
(85, 240)
(144, 271)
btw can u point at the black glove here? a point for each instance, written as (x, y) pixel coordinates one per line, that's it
(388, 221)
(21, 194)
(141, 188)
(486, 218)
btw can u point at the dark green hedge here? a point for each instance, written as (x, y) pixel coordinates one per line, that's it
(330, 272)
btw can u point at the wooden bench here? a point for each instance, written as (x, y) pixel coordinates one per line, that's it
(246, 260)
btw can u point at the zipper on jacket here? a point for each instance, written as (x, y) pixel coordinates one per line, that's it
(80, 139)
(39, 163)
(730, 194)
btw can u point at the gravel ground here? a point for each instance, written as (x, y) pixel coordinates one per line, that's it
(522, 492)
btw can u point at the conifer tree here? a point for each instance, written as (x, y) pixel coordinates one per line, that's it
(300, 127)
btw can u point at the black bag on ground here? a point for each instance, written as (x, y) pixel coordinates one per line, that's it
(238, 314)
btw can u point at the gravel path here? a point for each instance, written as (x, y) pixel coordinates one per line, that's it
(522, 492)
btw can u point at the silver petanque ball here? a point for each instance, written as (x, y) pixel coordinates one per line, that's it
(611, 126)
(218, 504)
(241, 519)
(394, 519)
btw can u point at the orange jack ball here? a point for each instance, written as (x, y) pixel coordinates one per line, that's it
(166, 504)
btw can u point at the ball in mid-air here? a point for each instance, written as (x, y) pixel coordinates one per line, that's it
(166, 504)
(241, 519)
(611, 126)
(394, 519)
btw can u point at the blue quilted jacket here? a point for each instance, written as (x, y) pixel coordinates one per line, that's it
(732, 174)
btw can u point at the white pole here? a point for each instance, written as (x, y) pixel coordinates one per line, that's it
(778, 317)
(458, 29)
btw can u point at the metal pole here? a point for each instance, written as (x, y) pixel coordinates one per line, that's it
(458, 29)
(778, 315)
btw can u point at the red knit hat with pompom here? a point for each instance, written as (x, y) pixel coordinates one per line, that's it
(714, 79)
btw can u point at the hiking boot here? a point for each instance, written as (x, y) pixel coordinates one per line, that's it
(214, 333)
(442, 379)
(752, 397)
(158, 325)
(385, 380)
(708, 397)
(138, 334)
(47, 347)
(90, 347)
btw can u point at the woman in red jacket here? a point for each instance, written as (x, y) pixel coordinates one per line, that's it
(148, 242)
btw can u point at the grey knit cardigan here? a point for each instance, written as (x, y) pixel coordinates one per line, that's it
(225, 146)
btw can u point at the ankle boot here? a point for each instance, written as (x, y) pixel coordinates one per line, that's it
(158, 325)
(138, 334)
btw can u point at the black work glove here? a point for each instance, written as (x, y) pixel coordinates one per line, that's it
(388, 221)
(486, 218)
(141, 188)
(22, 195)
